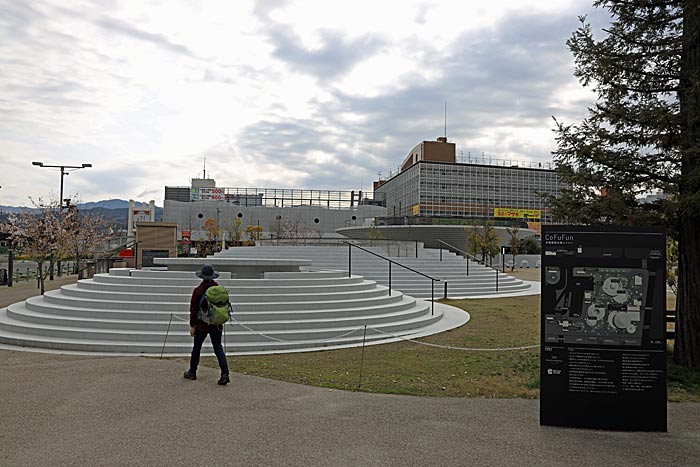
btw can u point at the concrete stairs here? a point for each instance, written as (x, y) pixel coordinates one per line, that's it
(131, 311)
(451, 268)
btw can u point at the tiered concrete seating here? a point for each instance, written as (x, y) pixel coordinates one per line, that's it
(452, 268)
(131, 311)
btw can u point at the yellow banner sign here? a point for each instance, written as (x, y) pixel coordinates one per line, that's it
(416, 209)
(514, 213)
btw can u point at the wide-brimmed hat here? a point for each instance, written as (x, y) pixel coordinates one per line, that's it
(207, 272)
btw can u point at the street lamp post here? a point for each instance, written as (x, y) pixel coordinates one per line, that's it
(60, 196)
(63, 172)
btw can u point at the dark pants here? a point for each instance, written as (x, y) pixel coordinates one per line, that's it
(215, 336)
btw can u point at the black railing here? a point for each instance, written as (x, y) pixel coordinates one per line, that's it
(405, 247)
(391, 261)
(467, 257)
(104, 261)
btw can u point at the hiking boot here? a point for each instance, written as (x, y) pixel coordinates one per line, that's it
(189, 374)
(224, 380)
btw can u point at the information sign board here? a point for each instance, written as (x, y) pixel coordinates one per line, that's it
(603, 328)
(516, 213)
(204, 194)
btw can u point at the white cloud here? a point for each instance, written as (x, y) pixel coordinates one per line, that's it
(144, 90)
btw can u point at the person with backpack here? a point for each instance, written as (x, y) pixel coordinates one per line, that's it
(207, 319)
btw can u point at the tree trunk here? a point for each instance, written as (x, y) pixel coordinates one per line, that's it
(686, 350)
(40, 276)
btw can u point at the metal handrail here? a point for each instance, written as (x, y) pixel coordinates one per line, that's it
(391, 261)
(316, 241)
(468, 256)
(108, 254)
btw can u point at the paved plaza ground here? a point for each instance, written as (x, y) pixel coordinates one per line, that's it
(134, 411)
(67, 410)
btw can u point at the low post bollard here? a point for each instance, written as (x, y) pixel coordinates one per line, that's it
(390, 278)
(432, 297)
(10, 267)
(445, 296)
(349, 260)
(496, 280)
(441, 252)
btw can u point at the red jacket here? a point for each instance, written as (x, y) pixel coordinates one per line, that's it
(197, 294)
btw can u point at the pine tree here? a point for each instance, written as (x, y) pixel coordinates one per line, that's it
(641, 135)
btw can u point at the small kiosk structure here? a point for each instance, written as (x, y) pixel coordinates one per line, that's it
(155, 240)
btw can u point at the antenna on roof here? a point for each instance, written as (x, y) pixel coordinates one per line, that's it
(445, 120)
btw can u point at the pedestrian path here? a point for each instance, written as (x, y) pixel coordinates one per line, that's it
(68, 410)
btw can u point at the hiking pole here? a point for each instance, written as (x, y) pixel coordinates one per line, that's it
(225, 345)
(166, 336)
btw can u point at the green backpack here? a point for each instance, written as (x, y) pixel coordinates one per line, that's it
(218, 309)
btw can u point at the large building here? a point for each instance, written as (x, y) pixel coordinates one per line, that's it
(312, 213)
(432, 186)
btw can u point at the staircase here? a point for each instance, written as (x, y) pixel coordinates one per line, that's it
(452, 268)
(131, 311)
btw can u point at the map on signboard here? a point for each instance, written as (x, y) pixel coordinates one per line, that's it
(597, 305)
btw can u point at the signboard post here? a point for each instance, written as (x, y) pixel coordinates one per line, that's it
(186, 240)
(603, 328)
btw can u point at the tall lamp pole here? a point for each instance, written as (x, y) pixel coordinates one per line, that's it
(63, 172)
(60, 197)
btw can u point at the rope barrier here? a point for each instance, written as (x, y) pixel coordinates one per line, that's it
(275, 338)
(427, 344)
(451, 347)
(294, 342)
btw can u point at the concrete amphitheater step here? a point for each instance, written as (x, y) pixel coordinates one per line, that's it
(452, 268)
(394, 304)
(240, 307)
(184, 348)
(287, 321)
(129, 311)
(179, 341)
(234, 288)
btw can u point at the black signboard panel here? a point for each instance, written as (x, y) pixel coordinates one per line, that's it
(147, 257)
(603, 328)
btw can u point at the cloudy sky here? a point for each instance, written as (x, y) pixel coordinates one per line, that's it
(288, 94)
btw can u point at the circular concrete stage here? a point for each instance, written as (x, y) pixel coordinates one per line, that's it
(277, 310)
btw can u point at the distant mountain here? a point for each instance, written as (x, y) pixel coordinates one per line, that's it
(115, 211)
(110, 204)
(104, 204)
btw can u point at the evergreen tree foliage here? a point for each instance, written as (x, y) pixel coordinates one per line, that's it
(641, 135)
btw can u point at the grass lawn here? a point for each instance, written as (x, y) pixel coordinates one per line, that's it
(409, 368)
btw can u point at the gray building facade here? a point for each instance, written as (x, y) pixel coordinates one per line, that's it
(309, 213)
(469, 191)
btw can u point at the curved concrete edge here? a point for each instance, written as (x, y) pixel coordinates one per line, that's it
(534, 289)
(452, 317)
